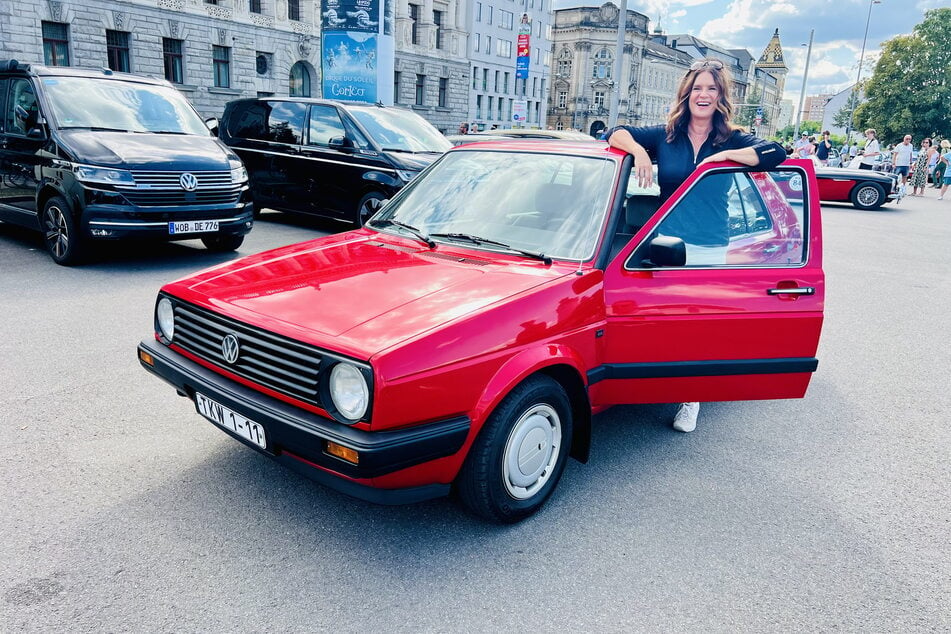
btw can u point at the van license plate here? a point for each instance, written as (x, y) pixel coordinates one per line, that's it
(230, 420)
(192, 226)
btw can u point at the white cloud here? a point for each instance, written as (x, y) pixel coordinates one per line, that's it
(678, 14)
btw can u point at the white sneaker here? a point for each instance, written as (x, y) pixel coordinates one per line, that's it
(686, 418)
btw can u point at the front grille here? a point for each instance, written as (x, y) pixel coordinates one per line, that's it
(282, 364)
(162, 188)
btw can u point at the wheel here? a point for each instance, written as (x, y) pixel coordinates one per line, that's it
(369, 205)
(520, 454)
(222, 242)
(61, 233)
(868, 196)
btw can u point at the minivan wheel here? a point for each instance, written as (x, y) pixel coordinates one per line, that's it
(61, 232)
(221, 243)
(519, 456)
(369, 205)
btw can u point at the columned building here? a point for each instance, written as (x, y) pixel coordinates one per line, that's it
(432, 67)
(213, 50)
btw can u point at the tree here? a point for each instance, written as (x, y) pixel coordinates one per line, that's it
(843, 117)
(807, 127)
(746, 115)
(910, 89)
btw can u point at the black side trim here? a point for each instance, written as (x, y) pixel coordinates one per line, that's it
(672, 369)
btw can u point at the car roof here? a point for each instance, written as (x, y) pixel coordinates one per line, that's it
(320, 101)
(39, 70)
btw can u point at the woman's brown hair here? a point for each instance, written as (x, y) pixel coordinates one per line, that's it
(679, 115)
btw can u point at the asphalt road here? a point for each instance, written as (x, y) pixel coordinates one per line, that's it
(122, 510)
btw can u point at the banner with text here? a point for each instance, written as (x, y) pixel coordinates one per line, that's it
(522, 48)
(357, 50)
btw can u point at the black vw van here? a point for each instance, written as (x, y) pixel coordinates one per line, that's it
(331, 158)
(90, 155)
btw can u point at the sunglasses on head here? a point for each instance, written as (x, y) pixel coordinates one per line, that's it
(707, 63)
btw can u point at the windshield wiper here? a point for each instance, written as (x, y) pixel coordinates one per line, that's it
(387, 222)
(480, 240)
(159, 132)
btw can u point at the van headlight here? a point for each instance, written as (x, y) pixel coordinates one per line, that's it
(239, 174)
(165, 318)
(349, 391)
(90, 174)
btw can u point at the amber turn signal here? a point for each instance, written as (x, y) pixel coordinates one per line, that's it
(344, 453)
(146, 358)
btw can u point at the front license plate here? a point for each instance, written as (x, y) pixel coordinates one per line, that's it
(221, 415)
(192, 226)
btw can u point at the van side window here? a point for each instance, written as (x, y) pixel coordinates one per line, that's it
(21, 111)
(286, 121)
(325, 124)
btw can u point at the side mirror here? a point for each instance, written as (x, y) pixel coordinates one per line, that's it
(341, 143)
(212, 123)
(666, 251)
(36, 134)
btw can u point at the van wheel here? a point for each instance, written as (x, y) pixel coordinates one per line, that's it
(61, 233)
(520, 454)
(369, 205)
(222, 243)
(868, 196)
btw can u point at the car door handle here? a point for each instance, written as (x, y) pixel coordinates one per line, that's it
(805, 290)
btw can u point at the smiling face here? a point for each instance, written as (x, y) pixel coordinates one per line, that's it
(704, 95)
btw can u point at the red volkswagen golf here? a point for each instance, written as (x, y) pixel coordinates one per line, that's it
(463, 339)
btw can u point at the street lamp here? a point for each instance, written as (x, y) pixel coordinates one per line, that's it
(858, 78)
(802, 92)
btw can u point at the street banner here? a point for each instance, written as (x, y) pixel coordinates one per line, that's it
(519, 111)
(357, 50)
(522, 47)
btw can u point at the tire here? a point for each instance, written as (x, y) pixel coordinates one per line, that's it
(61, 233)
(868, 195)
(369, 205)
(221, 243)
(532, 422)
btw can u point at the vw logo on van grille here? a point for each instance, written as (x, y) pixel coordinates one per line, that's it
(230, 348)
(188, 182)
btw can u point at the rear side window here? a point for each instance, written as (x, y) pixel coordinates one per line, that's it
(278, 121)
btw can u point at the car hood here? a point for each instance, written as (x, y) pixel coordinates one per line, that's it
(417, 161)
(359, 293)
(130, 150)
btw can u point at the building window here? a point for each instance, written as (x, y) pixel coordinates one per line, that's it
(221, 59)
(293, 10)
(254, 6)
(488, 43)
(500, 108)
(562, 99)
(489, 17)
(299, 81)
(443, 92)
(603, 61)
(599, 99)
(172, 55)
(491, 107)
(262, 64)
(117, 50)
(475, 77)
(505, 83)
(437, 20)
(485, 79)
(56, 44)
(478, 106)
(476, 42)
(534, 86)
(414, 23)
(420, 90)
(498, 75)
(564, 64)
(504, 48)
(396, 86)
(506, 19)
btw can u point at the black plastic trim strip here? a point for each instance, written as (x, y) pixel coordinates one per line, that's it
(676, 369)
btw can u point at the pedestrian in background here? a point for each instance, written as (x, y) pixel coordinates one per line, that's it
(946, 161)
(940, 168)
(920, 170)
(901, 158)
(872, 149)
(822, 149)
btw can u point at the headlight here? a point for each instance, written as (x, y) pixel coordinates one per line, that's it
(407, 175)
(239, 175)
(89, 174)
(165, 317)
(349, 391)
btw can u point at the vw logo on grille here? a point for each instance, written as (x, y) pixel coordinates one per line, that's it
(230, 348)
(188, 182)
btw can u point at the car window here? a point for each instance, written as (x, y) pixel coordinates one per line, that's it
(286, 121)
(737, 218)
(325, 124)
(22, 111)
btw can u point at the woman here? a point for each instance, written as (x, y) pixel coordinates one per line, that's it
(872, 149)
(945, 160)
(699, 130)
(940, 168)
(919, 171)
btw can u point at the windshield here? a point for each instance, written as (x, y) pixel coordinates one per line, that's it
(550, 204)
(400, 130)
(87, 102)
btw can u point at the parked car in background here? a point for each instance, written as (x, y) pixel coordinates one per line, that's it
(92, 155)
(465, 336)
(329, 158)
(865, 189)
(460, 139)
(834, 160)
(528, 133)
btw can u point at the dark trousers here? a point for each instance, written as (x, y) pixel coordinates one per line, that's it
(864, 166)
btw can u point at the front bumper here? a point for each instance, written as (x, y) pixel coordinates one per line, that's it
(299, 438)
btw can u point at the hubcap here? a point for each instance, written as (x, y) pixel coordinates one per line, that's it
(57, 231)
(531, 451)
(867, 196)
(369, 208)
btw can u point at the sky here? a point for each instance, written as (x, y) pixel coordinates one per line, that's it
(836, 47)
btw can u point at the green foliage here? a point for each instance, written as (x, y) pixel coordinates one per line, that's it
(910, 89)
(746, 114)
(842, 118)
(812, 128)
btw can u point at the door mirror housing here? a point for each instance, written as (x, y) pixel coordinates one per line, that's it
(666, 251)
(212, 123)
(341, 143)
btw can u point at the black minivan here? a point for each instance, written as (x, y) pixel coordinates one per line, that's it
(331, 158)
(89, 155)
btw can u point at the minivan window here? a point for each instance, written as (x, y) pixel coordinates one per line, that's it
(86, 102)
(400, 130)
(325, 124)
(285, 121)
(23, 101)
